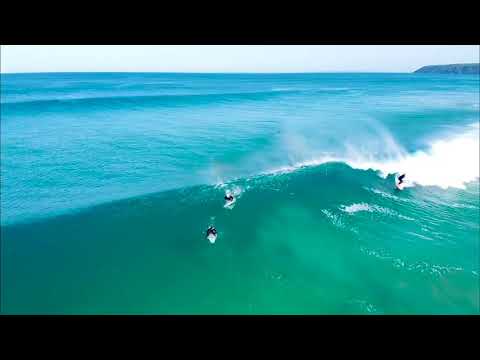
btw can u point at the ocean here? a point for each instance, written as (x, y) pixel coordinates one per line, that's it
(110, 180)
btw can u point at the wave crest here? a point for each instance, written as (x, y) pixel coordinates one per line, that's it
(449, 162)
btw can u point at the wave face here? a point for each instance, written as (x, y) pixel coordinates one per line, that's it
(113, 178)
(328, 239)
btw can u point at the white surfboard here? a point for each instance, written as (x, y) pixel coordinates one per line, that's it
(229, 204)
(399, 186)
(212, 237)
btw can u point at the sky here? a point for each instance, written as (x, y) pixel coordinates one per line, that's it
(231, 58)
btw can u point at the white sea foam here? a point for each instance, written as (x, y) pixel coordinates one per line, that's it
(351, 209)
(335, 219)
(235, 191)
(448, 162)
(420, 266)
(386, 195)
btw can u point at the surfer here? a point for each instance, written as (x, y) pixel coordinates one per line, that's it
(400, 183)
(211, 231)
(229, 198)
(211, 234)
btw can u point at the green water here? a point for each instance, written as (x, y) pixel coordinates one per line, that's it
(285, 248)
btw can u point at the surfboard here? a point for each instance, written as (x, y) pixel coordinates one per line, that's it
(399, 186)
(212, 238)
(229, 204)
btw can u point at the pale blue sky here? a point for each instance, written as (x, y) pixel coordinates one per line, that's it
(231, 58)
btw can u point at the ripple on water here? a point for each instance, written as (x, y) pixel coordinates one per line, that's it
(420, 266)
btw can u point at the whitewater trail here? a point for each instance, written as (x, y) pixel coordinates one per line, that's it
(448, 162)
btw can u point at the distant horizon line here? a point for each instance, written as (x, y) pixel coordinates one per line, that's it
(207, 72)
(233, 72)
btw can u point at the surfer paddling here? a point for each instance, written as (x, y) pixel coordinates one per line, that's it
(211, 231)
(211, 234)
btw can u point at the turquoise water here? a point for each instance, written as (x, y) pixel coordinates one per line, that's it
(109, 181)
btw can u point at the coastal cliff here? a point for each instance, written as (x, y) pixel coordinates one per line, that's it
(450, 69)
